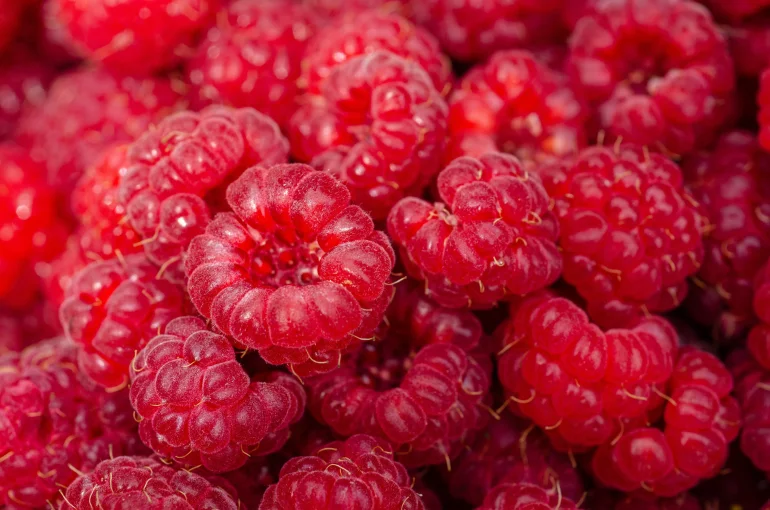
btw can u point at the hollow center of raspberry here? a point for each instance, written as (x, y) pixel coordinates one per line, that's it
(280, 261)
(382, 367)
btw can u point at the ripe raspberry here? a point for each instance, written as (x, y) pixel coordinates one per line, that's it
(516, 104)
(353, 35)
(630, 235)
(113, 308)
(130, 36)
(525, 496)
(491, 236)
(378, 124)
(178, 170)
(657, 71)
(732, 188)
(86, 112)
(54, 426)
(699, 422)
(197, 405)
(333, 8)
(295, 271)
(24, 80)
(357, 473)
(749, 46)
(470, 31)
(252, 56)
(22, 328)
(758, 341)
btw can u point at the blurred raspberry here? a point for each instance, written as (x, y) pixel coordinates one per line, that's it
(24, 79)
(525, 496)
(10, 20)
(334, 8)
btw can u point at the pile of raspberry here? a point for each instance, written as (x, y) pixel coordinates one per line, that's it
(385, 254)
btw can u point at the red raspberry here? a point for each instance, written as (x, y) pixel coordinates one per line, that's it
(658, 71)
(525, 496)
(357, 473)
(353, 35)
(758, 341)
(130, 36)
(144, 482)
(251, 480)
(749, 46)
(763, 115)
(86, 112)
(699, 422)
(10, 20)
(24, 80)
(53, 426)
(732, 188)
(378, 124)
(491, 236)
(630, 235)
(252, 56)
(178, 170)
(516, 104)
(22, 328)
(113, 308)
(295, 271)
(333, 8)
(469, 30)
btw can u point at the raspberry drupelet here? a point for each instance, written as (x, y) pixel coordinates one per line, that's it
(378, 124)
(514, 103)
(658, 72)
(359, 472)
(198, 406)
(525, 496)
(294, 271)
(492, 234)
(758, 341)
(732, 186)
(629, 233)
(252, 57)
(752, 389)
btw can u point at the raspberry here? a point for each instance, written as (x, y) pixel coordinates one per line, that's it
(333, 8)
(178, 170)
(198, 406)
(378, 124)
(23, 81)
(630, 235)
(525, 496)
(113, 308)
(251, 480)
(54, 426)
(130, 36)
(295, 271)
(469, 30)
(758, 341)
(752, 381)
(749, 45)
(251, 57)
(350, 36)
(86, 112)
(10, 20)
(699, 422)
(732, 189)
(763, 115)
(144, 482)
(22, 328)
(491, 236)
(657, 71)
(357, 473)
(516, 104)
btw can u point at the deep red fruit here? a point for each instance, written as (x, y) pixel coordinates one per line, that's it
(684, 501)
(130, 36)
(525, 496)
(54, 426)
(177, 172)
(732, 186)
(758, 342)
(378, 124)
(333, 8)
(252, 56)
(516, 104)
(295, 271)
(658, 72)
(492, 235)
(22, 328)
(145, 482)
(470, 31)
(10, 20)
(86, 112)
(24, 79)
(198, 406)
(750, 46)
(357, 473)
(630, 234)
(763, 115)
(736, 9)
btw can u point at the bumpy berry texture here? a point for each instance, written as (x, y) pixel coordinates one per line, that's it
(658, 72)
(525, 496)
(198, 406)
(378, 124)
(576, 382)
(470, 30)
(357, 473)
(630, 234)
(113, 308)
(699, 422)
(491, 236)
(54, 425)
(252, 57)
(177, 171)
(514, 103)
(294, 271)
(732, 186)
(353, 35)
(86, 112)
(23, 81)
